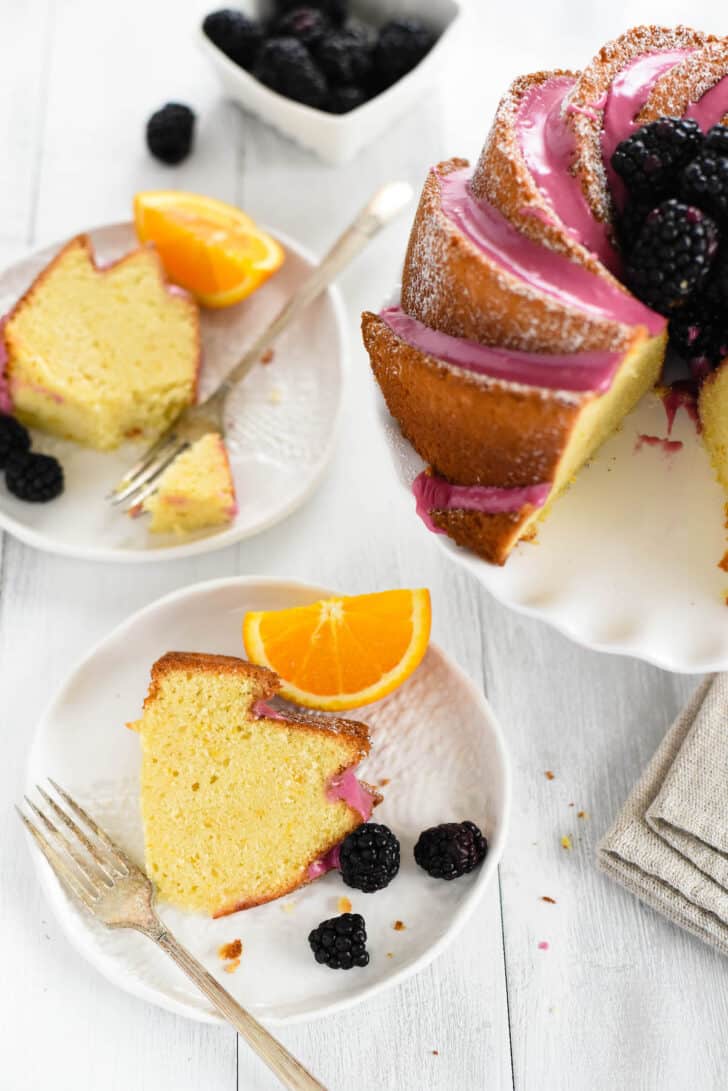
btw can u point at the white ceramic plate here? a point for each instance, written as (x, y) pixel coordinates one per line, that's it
(627, 561)
(282, 422)
(435, 740)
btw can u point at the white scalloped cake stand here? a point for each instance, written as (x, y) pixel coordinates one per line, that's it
(435, 742)
(627, 561)
(282, 422)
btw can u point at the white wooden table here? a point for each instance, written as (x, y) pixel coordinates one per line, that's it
(620, 1000)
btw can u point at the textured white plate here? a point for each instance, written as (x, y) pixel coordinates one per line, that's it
(282, 422)
(627, 561)
(435, 739)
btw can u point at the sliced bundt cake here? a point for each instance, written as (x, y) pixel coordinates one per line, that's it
(517, 347)
(99, 354)
(196, 491)
(240, 802)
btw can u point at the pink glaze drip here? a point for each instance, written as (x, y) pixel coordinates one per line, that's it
(330, 861)
(552, 274)
(669, 446)
(349, 790)
(712, 107)
(579, 371)
(681, 395)
(434, 493)
(547, 145)
(265, 711)
(628, 93)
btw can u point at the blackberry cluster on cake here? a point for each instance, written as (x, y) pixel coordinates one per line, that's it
(673, 231)
(318, 54)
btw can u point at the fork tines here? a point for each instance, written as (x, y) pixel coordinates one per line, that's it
(141, 480)
(87, 863)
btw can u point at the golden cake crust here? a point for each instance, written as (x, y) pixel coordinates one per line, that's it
(584, 109)
(471, 429)
(502, 177)
(452, 286)
(687, 82)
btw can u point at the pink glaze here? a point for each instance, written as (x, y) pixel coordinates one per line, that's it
(628, 93)
(328, 862)
(547, 145)
(552, 274)
(352, 792)
(176, 500)
(669, 446)
(265, 711)
(434, 493)
(543, 945)
(712, 107)
(579, 371)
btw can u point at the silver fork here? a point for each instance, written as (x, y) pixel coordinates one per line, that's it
(96, 873)
(196, 421)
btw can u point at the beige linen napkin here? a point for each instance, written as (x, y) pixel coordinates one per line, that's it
(669, 844)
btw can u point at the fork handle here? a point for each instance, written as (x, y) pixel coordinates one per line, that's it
(289, 1071)
(386, 203)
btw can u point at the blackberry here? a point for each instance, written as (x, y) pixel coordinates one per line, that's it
(340, 942)
(699, 332)
(650, 160)
(716, 140)
(451, 849)
(14, 438)
(704, 182)
(369, 857)
(37, 478)
(286, 66)
(672, 255)
(345, 56)
(630, 223)
(170, 132)
(309, 25)
(402, 43)
(336, 11)
(343, 99)
(238, 36)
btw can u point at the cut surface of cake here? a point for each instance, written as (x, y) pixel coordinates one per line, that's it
(241, 802)
(196, 491)
(518, 344)
(100, 354)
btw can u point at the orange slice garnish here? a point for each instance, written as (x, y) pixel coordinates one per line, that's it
(345, 651)
(208, 247)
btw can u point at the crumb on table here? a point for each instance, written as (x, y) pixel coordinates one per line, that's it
(231, 950)
(384, 782)
(546, 898)
(267, 356)
(582, 814)
(549, 774)
(399, 926)
(344, 905)
(231, 967)
(566, 842)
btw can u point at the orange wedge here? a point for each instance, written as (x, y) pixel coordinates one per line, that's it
(208, 247)
(342, 652)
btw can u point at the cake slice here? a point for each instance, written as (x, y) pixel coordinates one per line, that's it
(196, 491)
(503, 431)
(241, 803)
(98, 354)
(713, 414)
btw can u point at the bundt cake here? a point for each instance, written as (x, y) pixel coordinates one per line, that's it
(98, 354)
(518, 344)
(195, 491)
(241, 803)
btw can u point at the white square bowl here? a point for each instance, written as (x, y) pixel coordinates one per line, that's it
(336, 138)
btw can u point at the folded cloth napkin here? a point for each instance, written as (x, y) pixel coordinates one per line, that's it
(669, 845)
